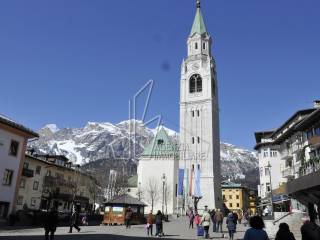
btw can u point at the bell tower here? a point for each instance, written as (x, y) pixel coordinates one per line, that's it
(199, 119)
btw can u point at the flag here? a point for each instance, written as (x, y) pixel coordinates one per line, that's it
(180, 182)
(197, 189)
(191, 181)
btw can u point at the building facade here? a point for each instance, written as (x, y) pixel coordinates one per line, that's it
(298, 145)
(13, 141)
(199, 118)
(269, 162)
(50, 180)
(157, 174)
(237, 197)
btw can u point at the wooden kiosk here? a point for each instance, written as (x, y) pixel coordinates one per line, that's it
(114, 210)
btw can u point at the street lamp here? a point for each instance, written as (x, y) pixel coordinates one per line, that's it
(271, 195)
(163, 185)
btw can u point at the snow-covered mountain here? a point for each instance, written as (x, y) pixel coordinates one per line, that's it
(97, 142)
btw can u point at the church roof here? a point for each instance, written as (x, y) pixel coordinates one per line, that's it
(161, 146)
(198, 23)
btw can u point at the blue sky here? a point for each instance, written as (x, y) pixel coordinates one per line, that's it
(69, 62)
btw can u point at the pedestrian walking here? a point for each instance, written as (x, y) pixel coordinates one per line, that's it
(235, 219)
(191, 219)
(310, 230)
(240, 216)
(74, 220)
(84, 219)
(246, 218)
(256, 231)
(159, 224)
(50, 223)
(128, 217)
(197, 219)
(205, 222)
(219, 220)
(150, 224)
(231, 225)
(284, 233)
(214, 223)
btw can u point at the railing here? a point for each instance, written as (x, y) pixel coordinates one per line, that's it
(27, 172)
(58, 182)
(288, 172)
(286, 153)
(282, 217)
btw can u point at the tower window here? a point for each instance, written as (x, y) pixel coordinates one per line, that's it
(204, 45)
(192, 140)
(196, 45)
(198, 139)
(195, 83)
(198, 113)
(192, 113)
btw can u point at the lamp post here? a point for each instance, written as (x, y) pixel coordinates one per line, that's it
(271, 195)
(139, 191)
(163, 186)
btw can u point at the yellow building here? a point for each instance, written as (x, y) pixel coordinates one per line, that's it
(238, 198)
(50, 180)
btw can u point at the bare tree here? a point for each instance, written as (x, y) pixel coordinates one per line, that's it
(152, 191)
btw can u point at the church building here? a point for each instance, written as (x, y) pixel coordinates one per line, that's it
(199, 122)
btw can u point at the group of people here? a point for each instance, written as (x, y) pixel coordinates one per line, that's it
(214, 216)
(158, 221)
(309, 230)
(51, 220)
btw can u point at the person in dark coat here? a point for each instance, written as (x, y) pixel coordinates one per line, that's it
(158, 221)
(50, 223)
(128, 217)
(256, 231)
(284, 233)
(214, 223)
(74, 220)
(231, 225)
(310, 230)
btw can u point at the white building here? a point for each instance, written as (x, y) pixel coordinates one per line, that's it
(199, 118)
(285, 151)
(157, 174)
(13, 141)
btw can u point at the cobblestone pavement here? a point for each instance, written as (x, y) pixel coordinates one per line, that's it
(176, 229)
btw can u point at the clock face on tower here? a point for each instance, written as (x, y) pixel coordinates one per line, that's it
(195, 83)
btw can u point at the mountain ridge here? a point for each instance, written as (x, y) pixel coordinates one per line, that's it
(104, 141)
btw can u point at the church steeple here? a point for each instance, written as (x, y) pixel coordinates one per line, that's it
(198, 23)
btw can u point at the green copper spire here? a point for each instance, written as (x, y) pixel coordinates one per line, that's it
(198, 23)
(161, 146)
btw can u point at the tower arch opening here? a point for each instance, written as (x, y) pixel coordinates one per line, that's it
(195, 83)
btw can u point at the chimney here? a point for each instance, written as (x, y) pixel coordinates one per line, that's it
(316, 103)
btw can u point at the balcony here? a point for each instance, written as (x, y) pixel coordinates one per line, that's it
(288, 172)
(286, 154)
(27, 172)
(314, 141)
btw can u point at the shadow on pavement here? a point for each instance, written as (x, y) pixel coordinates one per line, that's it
(81, 237)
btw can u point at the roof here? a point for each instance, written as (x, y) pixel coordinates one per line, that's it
(11, 123)
(161, 146)
(198, 23)
(298, 113)
(262, 134)
(309, 120)
(227, 184)
(125, 199)
(133, 181)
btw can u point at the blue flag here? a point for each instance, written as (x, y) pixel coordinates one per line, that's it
(180, 182)
(197, 176)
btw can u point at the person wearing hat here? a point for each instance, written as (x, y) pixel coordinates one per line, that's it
(205, 221)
